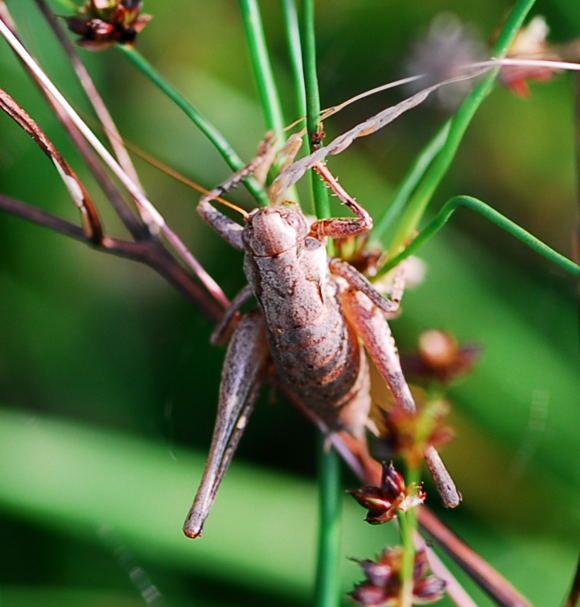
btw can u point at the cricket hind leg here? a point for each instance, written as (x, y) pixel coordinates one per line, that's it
(242, 373)
(375, 333)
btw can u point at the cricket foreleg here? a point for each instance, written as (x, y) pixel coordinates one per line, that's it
(227, 228)
(360, 283)
(375, 333)
(341, 227)
(243, 367)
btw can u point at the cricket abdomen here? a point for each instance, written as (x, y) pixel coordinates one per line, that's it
(315, 351)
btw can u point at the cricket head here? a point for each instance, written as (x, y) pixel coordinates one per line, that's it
(272, 230)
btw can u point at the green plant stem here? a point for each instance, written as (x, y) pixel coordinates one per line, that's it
(262, 68)
(459, 123)
(408, 528)
(295, 52)
(308, 38)
(410, 181)
(327, 588)
(492, 215)
(68, 4)
(208, 129)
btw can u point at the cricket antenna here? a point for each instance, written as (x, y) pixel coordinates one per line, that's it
(175, 174)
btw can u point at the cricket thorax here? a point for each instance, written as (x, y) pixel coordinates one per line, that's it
(313, 347)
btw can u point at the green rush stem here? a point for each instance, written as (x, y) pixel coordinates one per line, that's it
(327, 588)
(410, 181)
(68, 4)
(459, 123)
(295, 52)
(208, 129)
(308, 38)
(492, 215)
(408, 527)
(262, 67)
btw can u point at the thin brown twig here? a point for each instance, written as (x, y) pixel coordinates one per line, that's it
(92, 93)
(40, 217)
(6, 16)
(454, 589)
(149, 252)
(90, 218)
(477, 568)
(149, 213)
(107, 185)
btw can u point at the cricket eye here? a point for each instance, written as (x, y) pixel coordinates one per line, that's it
(293, 221)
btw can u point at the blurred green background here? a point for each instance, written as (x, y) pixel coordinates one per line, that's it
(108, 383)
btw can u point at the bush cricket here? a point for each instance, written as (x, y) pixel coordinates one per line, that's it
(312, 311)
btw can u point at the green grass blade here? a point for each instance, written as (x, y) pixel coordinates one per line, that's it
(327, 589)
(295, 52)
(410, 181)
(262, 67)
(492, 215)
(308, 37)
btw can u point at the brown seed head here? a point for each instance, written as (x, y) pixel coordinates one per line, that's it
(440, 358)
(102, 23)
(407, 434)
(385, 501)
(382, 587)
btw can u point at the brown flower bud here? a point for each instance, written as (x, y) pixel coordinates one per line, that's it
(102, 23)
(407, 434)
(383, 502)
(530, 43)
(382, 586)
(440, 358)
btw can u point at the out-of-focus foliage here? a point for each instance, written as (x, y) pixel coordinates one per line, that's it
(108, 384)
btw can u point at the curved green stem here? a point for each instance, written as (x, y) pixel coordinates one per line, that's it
(206, 127)
(408, 527)
(262, 67)
(308, 38)
(410, 181)
(459, 123)
(492, 215)
(327, 588)
(295, 52)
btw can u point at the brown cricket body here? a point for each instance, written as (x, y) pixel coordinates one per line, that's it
(313, 311)
(315, 351)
